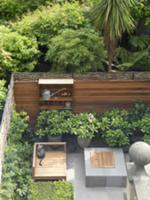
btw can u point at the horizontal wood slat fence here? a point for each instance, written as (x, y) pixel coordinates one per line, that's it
(91, 92)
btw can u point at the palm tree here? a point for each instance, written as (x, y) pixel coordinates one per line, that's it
(113, 18)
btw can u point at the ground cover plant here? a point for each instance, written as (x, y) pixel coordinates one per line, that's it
(58, 190)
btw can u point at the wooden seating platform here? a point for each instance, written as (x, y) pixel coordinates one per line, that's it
(104, 159)
(53, 164)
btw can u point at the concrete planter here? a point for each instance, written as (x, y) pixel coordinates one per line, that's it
(83, 142)
(54, 138)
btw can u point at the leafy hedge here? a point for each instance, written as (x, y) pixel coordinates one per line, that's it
(47, 22)
(3, 92)
(115, 127)
(52, 123)
(17, 162)
(9, 9)
(17, 52)
(59, 190)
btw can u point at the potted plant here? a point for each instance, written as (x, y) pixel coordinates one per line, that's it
(52, 124)
(84, 126)
(115, 128)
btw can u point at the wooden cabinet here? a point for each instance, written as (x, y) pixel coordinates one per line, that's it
(60, 93)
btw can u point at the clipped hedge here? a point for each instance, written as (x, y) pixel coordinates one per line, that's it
(47, 22)
(58, 190)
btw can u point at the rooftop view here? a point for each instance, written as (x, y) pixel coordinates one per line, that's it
(74, 100)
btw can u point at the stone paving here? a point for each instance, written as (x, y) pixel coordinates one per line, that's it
(76, 175)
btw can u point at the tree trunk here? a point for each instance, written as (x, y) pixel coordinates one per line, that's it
(111, 46)
(111, 51)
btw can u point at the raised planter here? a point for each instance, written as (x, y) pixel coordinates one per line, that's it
(83, 142)
(54, 138)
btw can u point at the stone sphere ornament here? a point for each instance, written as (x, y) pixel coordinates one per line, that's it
(139, 153)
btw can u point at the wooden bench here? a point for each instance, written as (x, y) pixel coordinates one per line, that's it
(53, 164)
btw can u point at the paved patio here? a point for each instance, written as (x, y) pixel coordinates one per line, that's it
(76, 175)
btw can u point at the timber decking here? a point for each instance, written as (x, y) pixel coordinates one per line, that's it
(102, 159)
(53, 165)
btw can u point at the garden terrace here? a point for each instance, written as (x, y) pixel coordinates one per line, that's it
(56, 96)
(89, 92)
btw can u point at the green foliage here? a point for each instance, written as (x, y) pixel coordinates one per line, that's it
(141, 11)
(139, 42)
(146, 138)
(52, 122)
(17, 52)
(59, 190)
(18, 126)
(10, 10)
(76, 51)
(145, 124)
(47, 22)
(115, 127)
(113, 18)
(3, 92)
(17, 162)
(62, 191)
(127, 60)
(84, 125)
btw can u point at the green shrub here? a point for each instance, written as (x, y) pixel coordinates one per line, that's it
(52, 122)
(146, 138)
(115, 127)
(9, 9)
(17, 161)
(17, 52)
(84, 125)
(136, 114)
(3, 92)
(145, 124)
(127, 60)
(59, 190)
(137, 57)
(47, 22)
(141, 11)
(76, 51)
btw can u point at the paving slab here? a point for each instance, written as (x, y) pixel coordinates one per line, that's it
(76, 175)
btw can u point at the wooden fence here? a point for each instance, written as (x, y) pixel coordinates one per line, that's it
(5, 122)
(91, 92)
